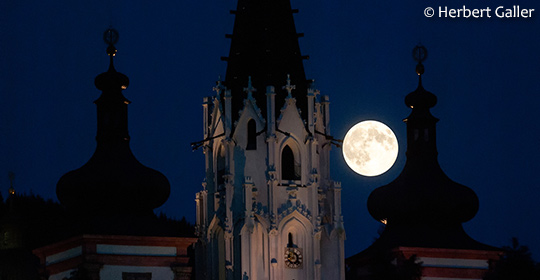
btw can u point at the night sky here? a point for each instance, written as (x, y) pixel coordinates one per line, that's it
(485, 73)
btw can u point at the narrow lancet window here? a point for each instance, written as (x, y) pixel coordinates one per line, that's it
(251, 135)
(290, 244)
(220, 166)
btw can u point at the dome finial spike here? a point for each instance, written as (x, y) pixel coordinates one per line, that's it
(110, 36)
(420, 54)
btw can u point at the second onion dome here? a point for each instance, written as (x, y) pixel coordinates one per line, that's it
(113, 181)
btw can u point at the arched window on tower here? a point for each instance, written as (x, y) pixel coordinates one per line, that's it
(251, 135)
(290, 165)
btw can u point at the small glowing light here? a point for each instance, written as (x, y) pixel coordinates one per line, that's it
(124, 87)
(384, 221)
(11, 191)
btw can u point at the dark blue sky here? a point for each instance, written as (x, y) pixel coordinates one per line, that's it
(485, 73)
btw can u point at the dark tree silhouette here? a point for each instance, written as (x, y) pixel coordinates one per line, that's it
(32, 222)
(515, 263)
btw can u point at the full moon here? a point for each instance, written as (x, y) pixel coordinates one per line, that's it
(370, 148)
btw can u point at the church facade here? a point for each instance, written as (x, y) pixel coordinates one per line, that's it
(268, 208)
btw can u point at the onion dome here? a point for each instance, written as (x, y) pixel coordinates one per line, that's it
(113, 181)
(423, 207)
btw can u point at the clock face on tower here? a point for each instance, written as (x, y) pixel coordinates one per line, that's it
(293, 257)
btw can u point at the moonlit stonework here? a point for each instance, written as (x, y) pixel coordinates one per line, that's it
(370, 148)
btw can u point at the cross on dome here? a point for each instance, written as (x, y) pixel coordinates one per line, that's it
(420, 55)
(250, 89)
(289, 87)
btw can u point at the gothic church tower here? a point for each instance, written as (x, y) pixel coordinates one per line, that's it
(268, 208)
